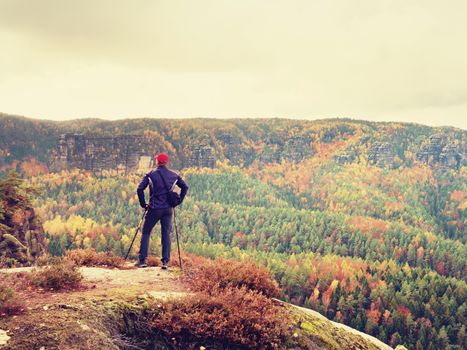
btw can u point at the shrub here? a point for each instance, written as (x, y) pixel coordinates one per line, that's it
(232, 318)
(9, 304)
(43, 260)
(8, 262)
(204, 275)
(153, 261)
(15, 281)
(89, 257)
(231, 309)
(62, 275)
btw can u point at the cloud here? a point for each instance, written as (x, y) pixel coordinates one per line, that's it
(234, 58)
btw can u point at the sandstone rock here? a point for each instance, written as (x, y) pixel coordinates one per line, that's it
(114, 153)
(12, 248)
(202, 156)
(345, 158)
(439, 150)
(281, 146)
(123, 153)
(329, 135)
(129, 153)
(4, 337)
(450, 157)
(431, 149)
(25, 241)
(234, 148)
(297, 148)
(381, 154)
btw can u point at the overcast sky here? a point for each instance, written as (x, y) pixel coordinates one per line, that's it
(368, 59)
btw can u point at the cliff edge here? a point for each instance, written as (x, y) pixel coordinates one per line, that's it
(113, 307)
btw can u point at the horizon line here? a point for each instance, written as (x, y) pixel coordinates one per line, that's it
(309, 119)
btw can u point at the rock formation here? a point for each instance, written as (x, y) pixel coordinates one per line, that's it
(128, 153)
(281, 146)
(348, 156)
(381, 154)
(439, 150)
(297, 148)
(235, 149)
(451, 156)
(23, 240)
(118, 153)
(201, 156)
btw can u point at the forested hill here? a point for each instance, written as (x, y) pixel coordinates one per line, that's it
(243, 142)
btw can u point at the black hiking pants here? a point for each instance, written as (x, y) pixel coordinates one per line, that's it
(151, 219)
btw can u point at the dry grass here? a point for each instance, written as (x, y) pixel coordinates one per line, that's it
(8, 262)
(43, 260)
(205, 274)
(153, 261)
(89, 257)
(233, 317)
(63, 275)
(9, 303)
(231, 309)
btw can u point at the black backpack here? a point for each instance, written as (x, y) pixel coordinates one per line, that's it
(173, 198)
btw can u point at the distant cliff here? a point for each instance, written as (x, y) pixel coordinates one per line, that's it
(127, 153)
(121, 153)
(442, 150)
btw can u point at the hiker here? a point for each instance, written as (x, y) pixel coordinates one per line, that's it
(158, 207)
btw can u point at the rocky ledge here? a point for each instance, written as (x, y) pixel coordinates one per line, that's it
(114, 308)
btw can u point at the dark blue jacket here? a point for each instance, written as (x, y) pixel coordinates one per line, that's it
(157, 190)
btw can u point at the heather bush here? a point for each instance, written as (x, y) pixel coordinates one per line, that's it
(89, 257)
(9, 304)
(232, 308)
(8, 262)
(61, 275)
(153, 261)
(230, 318)
(204, 275)
(43, 260)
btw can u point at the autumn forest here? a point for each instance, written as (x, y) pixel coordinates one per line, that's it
(363, 222)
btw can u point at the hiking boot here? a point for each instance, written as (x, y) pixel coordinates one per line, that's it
(165, 266)
(141, 264)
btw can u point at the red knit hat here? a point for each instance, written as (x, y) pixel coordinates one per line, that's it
(162, 159)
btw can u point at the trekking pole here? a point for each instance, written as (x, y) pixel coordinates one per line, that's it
(178, 244)
(136, 233)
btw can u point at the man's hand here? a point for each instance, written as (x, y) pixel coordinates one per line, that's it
(145, 206)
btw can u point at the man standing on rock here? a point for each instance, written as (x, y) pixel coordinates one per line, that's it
(161, 180)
